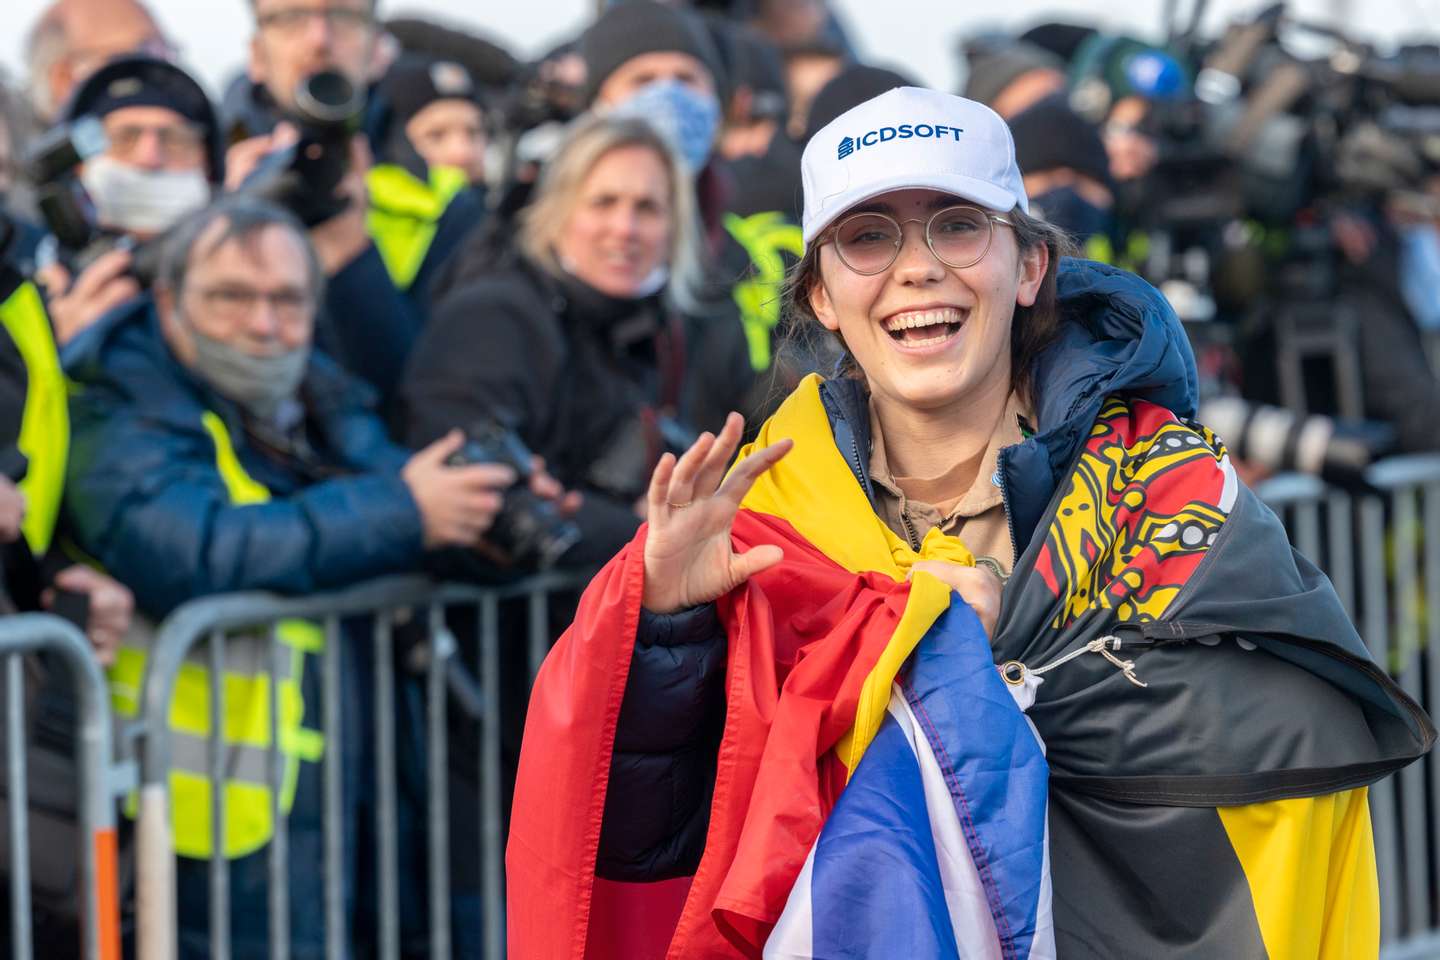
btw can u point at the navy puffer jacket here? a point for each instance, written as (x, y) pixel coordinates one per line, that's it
(145, 497)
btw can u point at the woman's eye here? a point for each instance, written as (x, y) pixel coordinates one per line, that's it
(870, 237)
(957, 227)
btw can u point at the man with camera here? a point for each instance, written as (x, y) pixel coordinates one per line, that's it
(157, 157)
(366, 321)
(214, 450)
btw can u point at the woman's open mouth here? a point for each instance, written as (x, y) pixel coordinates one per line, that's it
(923, 328)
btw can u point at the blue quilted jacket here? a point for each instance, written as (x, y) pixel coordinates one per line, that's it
(145, 497)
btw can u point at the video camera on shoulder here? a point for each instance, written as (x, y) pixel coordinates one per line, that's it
(303, 178)
(530, 531)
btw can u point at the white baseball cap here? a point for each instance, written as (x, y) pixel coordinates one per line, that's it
(909, 138)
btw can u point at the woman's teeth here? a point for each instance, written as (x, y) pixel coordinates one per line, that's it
(923, 327)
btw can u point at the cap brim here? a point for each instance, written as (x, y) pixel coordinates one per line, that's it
(967, 188)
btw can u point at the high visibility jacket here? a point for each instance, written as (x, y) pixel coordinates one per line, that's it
(246, 734)
(766, 237)
(45, 424)
(405, 213)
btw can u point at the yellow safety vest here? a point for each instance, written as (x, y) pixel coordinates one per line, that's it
(404, 214)
(1131, 257)
(248, 668)
(765, 237)
(45, 424)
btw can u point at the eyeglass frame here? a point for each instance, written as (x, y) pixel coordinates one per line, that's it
(178, 141)
(990, 219)
(299, 15)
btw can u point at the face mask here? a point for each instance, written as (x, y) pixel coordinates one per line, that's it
(142, 201)
(259, 384)
(1073, 213)
(687, 120)
(1420, 273)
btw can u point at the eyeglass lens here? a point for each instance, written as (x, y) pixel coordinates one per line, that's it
(870, 242)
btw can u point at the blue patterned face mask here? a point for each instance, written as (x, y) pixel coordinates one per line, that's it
(685, 118)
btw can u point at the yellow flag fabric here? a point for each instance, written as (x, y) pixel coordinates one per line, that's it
(814, 490)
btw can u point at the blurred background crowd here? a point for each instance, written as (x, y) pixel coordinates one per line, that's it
(399, 298)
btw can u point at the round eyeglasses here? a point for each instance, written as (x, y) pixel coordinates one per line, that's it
(958, 236)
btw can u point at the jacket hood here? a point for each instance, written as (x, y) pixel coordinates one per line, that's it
(1118, 336)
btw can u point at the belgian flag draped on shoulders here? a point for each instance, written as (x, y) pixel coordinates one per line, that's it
(1163, 750)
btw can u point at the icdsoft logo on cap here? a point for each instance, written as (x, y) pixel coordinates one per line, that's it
(903, 131)
(909, 138)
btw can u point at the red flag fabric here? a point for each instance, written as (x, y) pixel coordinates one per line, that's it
(803, 636)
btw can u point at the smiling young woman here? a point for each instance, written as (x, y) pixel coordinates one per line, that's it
(980, 649)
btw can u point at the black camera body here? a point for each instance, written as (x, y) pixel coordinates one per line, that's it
(303, 178)
(530, 531)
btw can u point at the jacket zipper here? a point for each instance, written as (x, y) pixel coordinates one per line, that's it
(859, 475)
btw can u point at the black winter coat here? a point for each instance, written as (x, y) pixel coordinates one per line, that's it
(596, 385)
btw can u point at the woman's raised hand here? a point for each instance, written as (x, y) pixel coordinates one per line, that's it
(692, 505)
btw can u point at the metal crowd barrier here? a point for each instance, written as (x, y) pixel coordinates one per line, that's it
(97, 782)
(211, 620)
(1382, 552)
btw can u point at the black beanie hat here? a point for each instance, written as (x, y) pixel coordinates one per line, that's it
(995, 67)
(143, 81)
(1050, 135)
(627, 30)
(1061, 39)
(850, 88)
(413, 83)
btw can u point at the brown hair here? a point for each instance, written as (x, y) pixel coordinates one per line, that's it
(1031, 330)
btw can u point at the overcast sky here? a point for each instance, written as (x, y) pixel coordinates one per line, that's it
(917, 34)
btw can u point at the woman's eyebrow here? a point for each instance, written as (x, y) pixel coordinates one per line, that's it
(939, 202)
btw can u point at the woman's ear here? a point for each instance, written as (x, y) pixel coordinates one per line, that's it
(1034, 261)
(821, 306)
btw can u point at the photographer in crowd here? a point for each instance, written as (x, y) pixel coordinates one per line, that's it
(215, 450)
(35, 576)
(366, 321)
(426, 188)
(576, 340)
(162, 158)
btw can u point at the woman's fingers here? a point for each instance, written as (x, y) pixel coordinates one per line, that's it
(747, 471)
(712, 473)
(754, 560)
(682, 484)
(660, 483)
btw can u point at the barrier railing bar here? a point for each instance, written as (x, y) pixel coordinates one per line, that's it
(1407, 642)
(1376, 616)
(335, 929)
(385, 787)
(1341, 555)
(209, 616)
(279, 853)
(31, 632)
(1307, 528)
(539, 627)
(219, 865)
(21, 946)
(1431, 513)
(491, 831)
(442, 648)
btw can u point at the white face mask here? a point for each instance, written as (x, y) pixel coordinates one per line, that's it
(142, 201)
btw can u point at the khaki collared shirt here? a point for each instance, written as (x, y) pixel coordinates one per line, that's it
(910, 506)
